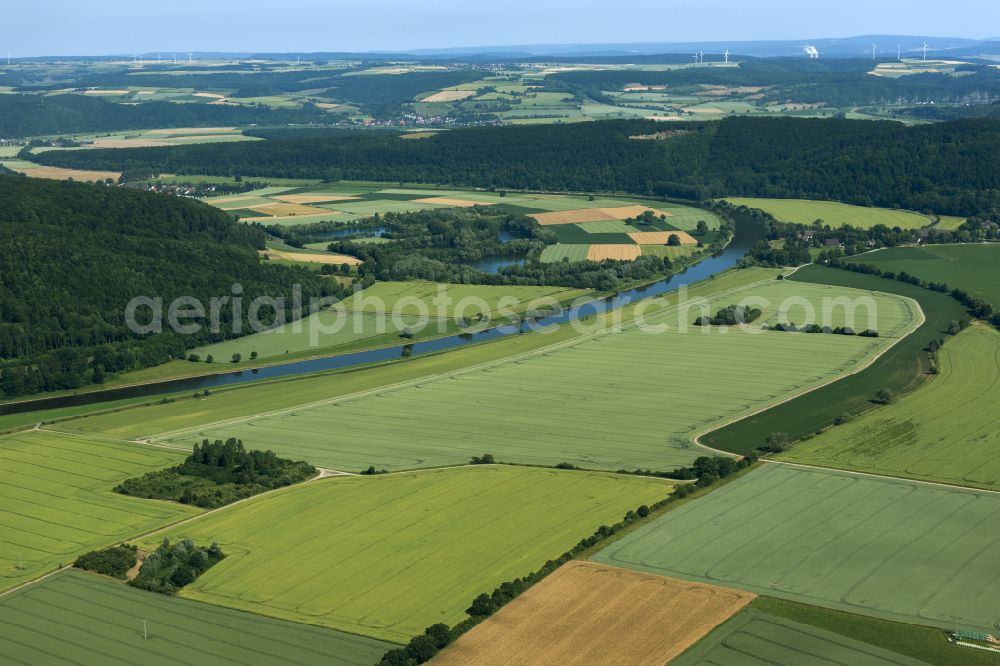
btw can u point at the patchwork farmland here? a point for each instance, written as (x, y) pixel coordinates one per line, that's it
(600, 402)
(76, 618)
(340, 564)
(946, 431)
(57, 501)
(894, 549)
(601, 615)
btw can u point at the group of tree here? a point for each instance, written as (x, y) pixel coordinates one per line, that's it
(72, 256)
(218, 473)
(114, 561)
(947, 168)
(731, 315)
(172, 566)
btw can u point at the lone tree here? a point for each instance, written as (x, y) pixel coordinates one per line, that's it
(673, 240)
(777, 441)
(702, 227)
(885, 396)
(237, 357)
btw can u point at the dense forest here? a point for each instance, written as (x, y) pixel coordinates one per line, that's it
(837, 83)
(945, 168)
(72, 256)
(34, 115)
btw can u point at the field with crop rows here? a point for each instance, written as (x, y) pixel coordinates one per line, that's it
(78, 618)
(386, 556)
(972, 268)
(602, 402)
(801, 211)
(56, 500)
(900, 550)
(947, 431)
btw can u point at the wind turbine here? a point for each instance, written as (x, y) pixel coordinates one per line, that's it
(701, 57)
(874, 50)
(726, 56)
(925, 50)
(695, 56)
(173, 57)
(190, 59)
(899, 53)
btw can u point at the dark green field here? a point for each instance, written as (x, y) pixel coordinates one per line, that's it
(901, 369)
(78, 618)
(972, 268)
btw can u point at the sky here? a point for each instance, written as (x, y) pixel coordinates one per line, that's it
(74, 27)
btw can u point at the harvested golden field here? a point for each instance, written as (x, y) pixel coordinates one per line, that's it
(661, 237)
(447, 201)
(638, 87)
(127, 143)
(417, 135)
(286, 210)
(702, 109)
(449, 96)
(310, 198)
(587, 613)
(58, 173)
(616, 252)
(106, 92)
(312, 258)
(578, 215)
(193, 130)
(207, 94)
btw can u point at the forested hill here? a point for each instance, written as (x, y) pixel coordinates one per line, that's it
(73, 255)
(947, 168)
(34, 115)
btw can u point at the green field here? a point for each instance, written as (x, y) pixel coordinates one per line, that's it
(555, 253)
(902, 369)
(599, 402)
(801, 211)
(972, 268)
(386, 556)
(57, 501)
(250, 399)
(752, 637)
(447, 300)
(78, 618)
(899, 550)
(946, 431)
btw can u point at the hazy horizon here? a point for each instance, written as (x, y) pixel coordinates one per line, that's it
(119, 27)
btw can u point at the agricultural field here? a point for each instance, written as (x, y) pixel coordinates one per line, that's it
(386, 556)
(893, 549)
(947, 431)
(756, 637)
(586, 613)
(598, 402)
(242, 401)
(33, 170)
(972, 268)
(834, 214)
(152, 138)
(57, 499)
(79, 618)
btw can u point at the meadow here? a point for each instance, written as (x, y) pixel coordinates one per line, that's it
(974, 268)
(834, 214)
(894, 549)
(755, 637)
(79, 618)
(599, 402)
(901, 369)
(56, 500)
(946, 431)
(116, 420)
(386, 556)
(585, 613)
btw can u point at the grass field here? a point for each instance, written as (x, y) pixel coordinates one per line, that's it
(247, 400)
(902, 369)
(555, 253)
(801, 211)
(386, 556)
(753, 637)
(57, 501)
(894, 549)
(78, 618)
(386, 297)
(946, 431)
(972, 268)
(600, 402)
(586, 613)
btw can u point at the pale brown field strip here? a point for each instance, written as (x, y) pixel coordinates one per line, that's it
(617, 252)
(58, 173)
(579, 215)
(661, 237)
(287, 209)
(307, 257)
(592, 614)
(311, 198)
(193, 130)
(449, 96)
(447, 201)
